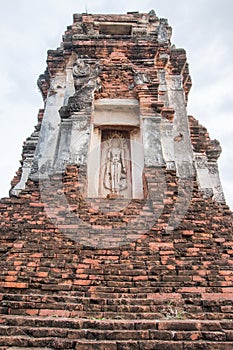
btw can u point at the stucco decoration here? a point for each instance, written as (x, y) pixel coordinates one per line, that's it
(115, 173)
(26, 168)
(162, 33)
(115, 178)
(86, 81)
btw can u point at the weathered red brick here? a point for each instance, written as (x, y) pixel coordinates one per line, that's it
(16, 285)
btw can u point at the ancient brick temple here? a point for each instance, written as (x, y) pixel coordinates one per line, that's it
(116, 234)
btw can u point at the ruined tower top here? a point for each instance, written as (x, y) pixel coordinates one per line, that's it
(139, 37)
(115, 95)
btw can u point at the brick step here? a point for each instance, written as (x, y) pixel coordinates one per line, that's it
(152, 345)
(96, 294)
(27, 341)
(137, 289)
(87, 304)
(74, 323)
(61, 295)
(166, 332)
(142, 289)
(20, 348)
(90, 334)
(159, 305)
(187, 295)
(175, 314)
(65, 333)
(42, 332)
(127, 312)
(138, 285)
(118, 300)
(126, 345)
(90, 314)
(121, 334)
(159, 274)
(190, 308)
(104, 292)
(113, 324)
(40, 293)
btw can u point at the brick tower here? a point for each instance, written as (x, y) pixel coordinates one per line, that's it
(116, 234)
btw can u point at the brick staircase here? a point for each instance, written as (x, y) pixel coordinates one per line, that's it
(19, 332)
(100, 318)
(119, 305)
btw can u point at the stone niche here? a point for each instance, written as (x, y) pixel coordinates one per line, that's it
(116, 158)
(115, 28)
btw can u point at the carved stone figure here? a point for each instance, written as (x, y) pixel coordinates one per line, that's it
(115, 178)
(81, 69)
(214, 150)
(86, 81)
(201, 162)
(140, 78)
(162, 34)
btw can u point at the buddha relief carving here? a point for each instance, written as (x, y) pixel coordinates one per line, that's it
(115, 175)
(115, 170)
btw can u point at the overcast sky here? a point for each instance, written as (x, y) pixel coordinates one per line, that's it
(28, 29)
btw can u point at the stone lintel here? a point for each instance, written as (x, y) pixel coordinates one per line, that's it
(116, 112)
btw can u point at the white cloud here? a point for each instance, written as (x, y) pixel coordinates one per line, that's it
(28, 29)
